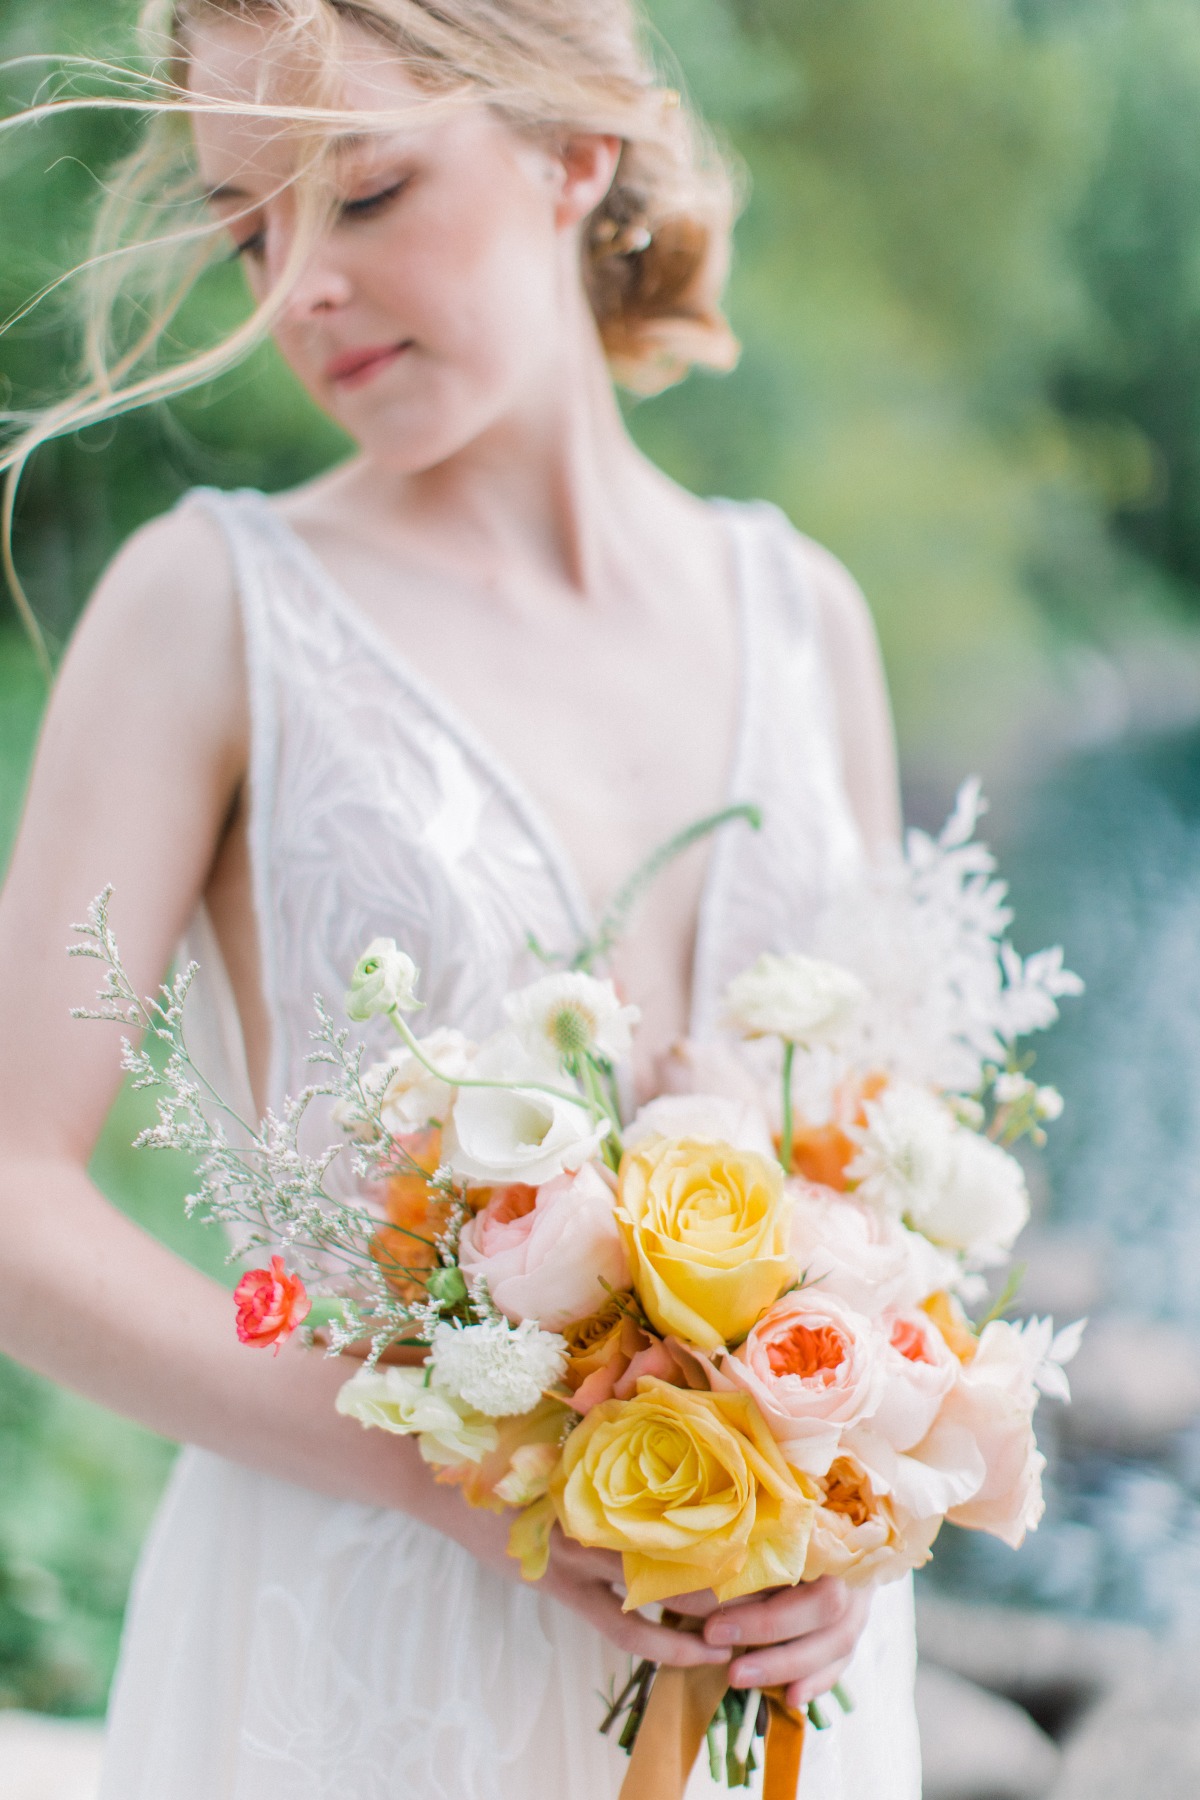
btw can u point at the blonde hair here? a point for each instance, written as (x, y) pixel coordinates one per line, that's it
(655, 251)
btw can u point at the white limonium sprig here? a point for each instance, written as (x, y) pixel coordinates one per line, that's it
(800, 999)
(258, 1178)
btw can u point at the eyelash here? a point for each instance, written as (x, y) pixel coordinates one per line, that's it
(349, 209)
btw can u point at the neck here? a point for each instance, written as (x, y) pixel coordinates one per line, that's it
(545, 499)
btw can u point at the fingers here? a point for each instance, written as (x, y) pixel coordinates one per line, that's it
(631, 1633)
(810, 1663)
(786, 1614)
(585, 1564)
(699, 1605)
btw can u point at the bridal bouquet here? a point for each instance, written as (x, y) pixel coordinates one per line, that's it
(730, 1336)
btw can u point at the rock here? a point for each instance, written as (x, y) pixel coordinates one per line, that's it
(48, 1759)
(976, 1746)
(1134, 1385)
(1054, 1665)
(1143, 1740)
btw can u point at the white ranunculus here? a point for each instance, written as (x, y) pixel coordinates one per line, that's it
(793, 997)
(702, 1119)
(384, 981)
(514, 1133)
(918, 1163)
(565, 1015)
(496, 1368)
(412, 1096)
(404, 1401)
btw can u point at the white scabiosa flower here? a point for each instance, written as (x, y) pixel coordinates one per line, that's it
(496, 1368)
(570, 1015)
(919, 1164)
(404, 1401)
(384, 981)
(793, 997)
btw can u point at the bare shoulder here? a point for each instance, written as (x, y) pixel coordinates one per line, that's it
(162, 629)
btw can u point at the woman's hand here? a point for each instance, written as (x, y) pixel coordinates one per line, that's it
(801, 1638)
(585, 1581)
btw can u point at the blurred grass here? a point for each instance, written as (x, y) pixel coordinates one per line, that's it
(77, 1484)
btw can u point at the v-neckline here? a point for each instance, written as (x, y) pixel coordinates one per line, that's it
(557, 860)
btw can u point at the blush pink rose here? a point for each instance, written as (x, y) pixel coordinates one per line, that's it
(816, 1369)
(548, 1253)
(871, 1261)
(922, 1459)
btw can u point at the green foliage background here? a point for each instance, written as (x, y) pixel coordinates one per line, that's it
(968, 283)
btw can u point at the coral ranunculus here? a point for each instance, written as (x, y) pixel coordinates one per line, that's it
(691, 1488)
(706, 1230)
(270, 1304)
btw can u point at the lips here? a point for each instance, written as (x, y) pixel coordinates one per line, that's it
(354, 367)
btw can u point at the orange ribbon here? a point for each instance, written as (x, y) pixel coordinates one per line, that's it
(681, 1707)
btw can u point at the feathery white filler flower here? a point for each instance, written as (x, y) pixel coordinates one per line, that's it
(497, 1368)
(919, 1164)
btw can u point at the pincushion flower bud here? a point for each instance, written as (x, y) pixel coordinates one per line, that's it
(384, 981)
(270, 1304)
(794, 997)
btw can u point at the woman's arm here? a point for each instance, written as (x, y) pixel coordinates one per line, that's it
(138, 772)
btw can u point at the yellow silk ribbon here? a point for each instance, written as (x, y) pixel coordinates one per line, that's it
(680, 1710)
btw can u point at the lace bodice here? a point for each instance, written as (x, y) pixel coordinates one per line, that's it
(377, 810)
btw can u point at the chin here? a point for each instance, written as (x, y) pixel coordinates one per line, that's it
(409, 438)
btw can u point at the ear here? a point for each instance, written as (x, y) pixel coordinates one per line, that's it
(588, 163)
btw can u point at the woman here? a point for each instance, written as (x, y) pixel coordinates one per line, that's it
(451, 692)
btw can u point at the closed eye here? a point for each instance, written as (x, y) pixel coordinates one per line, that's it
(373, 203)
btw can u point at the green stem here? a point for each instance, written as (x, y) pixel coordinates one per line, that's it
(597, 1110)
(842, 1697)
(616, 917)
(789, 1125)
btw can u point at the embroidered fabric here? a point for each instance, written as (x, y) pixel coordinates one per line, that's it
(283, 1646)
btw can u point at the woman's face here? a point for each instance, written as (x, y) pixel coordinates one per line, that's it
(439, 301)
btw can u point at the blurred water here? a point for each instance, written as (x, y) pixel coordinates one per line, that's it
(1106, 859)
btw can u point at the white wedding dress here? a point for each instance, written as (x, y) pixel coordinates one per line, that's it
(283, 1646)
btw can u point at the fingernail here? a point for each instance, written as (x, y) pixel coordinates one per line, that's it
(748, 1675)
(723, 1634)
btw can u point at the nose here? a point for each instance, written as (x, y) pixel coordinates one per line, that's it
(321, 287)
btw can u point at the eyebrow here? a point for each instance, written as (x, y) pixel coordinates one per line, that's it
(226, 191)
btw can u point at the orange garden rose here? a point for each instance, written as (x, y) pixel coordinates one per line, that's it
(690, 1488)
(705, 1229)
(599, 1351)
(270, 1304)
(859, 1536)
(406, 1247)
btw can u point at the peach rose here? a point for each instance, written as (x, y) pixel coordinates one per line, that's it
(859, 1535)
(815, 1369)
(516, 1470)
(547, 1253)
(270, 1304)
(924, 1461)
(994, 1400)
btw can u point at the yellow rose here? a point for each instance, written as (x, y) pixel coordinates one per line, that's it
(691, 1488)
(705, 1230)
